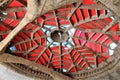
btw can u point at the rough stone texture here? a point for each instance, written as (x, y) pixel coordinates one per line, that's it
(113, 5)
(3, 2)
(7, 58)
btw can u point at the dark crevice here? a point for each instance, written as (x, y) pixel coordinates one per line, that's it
(90, 14)
(82, 13)
(1, 38)
(98, 13)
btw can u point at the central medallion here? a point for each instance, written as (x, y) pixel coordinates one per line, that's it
(59, 36)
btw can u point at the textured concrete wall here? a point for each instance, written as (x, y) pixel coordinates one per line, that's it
(8, 74)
